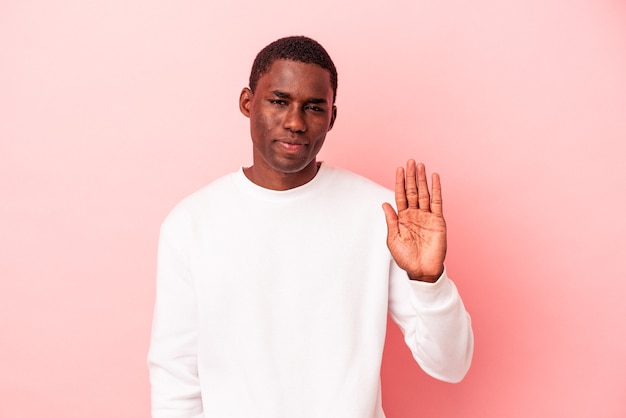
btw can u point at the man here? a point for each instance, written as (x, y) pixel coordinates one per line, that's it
(274, 282)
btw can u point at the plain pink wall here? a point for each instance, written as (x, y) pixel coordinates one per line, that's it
(111, 111)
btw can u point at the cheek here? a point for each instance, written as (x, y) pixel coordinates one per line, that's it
(262, 124)
(321, 128)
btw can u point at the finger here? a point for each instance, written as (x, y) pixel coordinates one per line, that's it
(422, 188)
(411, 185)
(392, 220)
(436, 205)
(400, 189)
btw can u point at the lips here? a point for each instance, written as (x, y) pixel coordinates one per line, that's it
(291, 146)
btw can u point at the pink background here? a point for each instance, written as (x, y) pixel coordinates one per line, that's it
(111, 111)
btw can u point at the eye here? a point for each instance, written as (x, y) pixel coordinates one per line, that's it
(314, 108)
(279, 102)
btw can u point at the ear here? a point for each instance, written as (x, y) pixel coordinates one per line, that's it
(333, 117)
(245, 99)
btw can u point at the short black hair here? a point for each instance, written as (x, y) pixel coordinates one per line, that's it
(294, 48)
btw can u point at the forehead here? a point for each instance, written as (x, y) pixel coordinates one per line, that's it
(296, 77)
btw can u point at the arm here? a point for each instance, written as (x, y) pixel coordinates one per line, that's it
(426, 304)
(435, 325)
(175, 387)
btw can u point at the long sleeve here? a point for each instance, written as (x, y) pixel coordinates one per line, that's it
(172, 359)
(435, 324)
(274, 304)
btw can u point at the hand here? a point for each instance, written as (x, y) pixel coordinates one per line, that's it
(416, 235)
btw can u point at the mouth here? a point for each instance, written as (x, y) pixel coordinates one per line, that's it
(291, 146)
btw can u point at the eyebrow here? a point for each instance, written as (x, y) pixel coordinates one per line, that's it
(283, 95)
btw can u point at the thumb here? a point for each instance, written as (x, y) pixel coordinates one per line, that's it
(392, 220)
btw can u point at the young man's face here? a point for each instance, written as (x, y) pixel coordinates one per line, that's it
(290, 113)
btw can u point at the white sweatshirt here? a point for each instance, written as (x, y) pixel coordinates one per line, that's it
(273, 304)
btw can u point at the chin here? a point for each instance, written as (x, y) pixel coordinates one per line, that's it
(292, 167)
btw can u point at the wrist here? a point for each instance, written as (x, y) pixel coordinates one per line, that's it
(426, 278)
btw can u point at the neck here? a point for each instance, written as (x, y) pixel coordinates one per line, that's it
(275, 180)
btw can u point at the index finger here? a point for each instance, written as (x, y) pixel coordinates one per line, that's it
(400, 191)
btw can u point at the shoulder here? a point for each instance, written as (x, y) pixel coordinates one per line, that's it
(202, 200)
(356, 185)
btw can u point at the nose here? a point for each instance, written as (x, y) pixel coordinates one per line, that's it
(294, 120)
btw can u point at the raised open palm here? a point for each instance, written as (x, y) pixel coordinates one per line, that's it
(416, 234)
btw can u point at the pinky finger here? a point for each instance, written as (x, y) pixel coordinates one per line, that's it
(436, 204)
